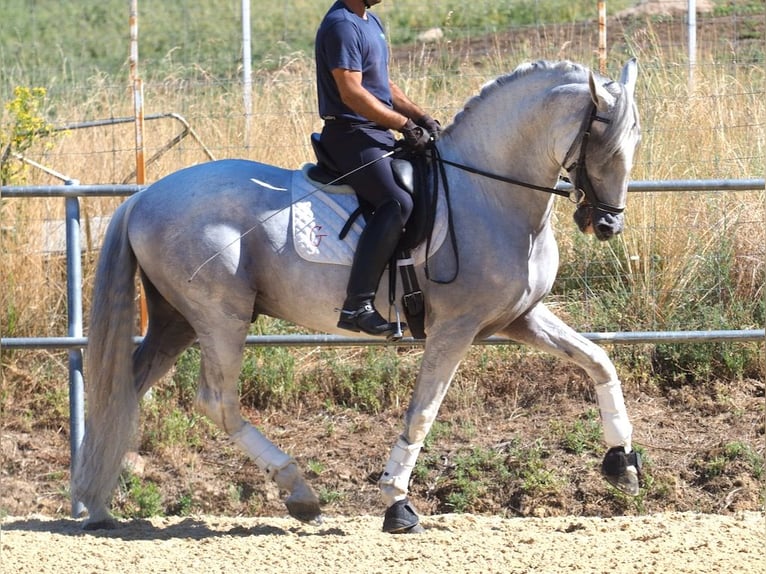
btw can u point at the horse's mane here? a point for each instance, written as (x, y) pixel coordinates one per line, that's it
(564, 67)
(570, 72)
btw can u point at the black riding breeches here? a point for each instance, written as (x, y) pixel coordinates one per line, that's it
(351, 146)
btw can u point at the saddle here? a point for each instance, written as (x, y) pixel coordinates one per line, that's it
(412, 174)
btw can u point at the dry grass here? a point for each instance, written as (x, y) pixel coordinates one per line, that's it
(682, 253)
(713, 130)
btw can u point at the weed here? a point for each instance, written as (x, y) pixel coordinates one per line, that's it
(167, 425)
(327, 496)
(25, 126)
(469, 473)
(438, 431)
(183, 506)
(139, 499)
(315, 467)
(583, 435)
(183, 387)
(721, 459)
(529, 466)
(268, 377)
(236, 494)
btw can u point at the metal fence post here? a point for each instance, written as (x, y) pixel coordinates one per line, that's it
(75, 329)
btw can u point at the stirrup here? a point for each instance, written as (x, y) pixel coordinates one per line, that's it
(366, 319)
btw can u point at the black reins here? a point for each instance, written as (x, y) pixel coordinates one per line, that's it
(582, 186)
(503, 178)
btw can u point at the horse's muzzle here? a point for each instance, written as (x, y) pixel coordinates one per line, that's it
(600, 223)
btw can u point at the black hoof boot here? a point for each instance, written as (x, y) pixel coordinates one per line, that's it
(623, 471)
(401, 518)
(367, 320)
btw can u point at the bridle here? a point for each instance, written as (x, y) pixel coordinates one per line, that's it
(582, 183)
(582, 189)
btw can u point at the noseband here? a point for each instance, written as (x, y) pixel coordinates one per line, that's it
(582, 184)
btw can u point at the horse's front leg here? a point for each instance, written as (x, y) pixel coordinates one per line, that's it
(443, 352)
(541, 329)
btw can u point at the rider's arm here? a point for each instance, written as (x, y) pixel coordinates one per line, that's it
(404, 105)
(356, 97)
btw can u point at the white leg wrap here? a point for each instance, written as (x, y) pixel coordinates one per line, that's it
(269, 457)
(614, 417)
(395, 480)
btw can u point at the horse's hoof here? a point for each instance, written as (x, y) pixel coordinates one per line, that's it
(402, 518)
(304, 510)
(623, 471)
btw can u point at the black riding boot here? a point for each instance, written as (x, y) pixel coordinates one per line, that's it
(376, 245)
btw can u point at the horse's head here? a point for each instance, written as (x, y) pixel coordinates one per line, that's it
(605, 149)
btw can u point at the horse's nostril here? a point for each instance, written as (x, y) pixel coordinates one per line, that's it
(602, 233)
(605, 228)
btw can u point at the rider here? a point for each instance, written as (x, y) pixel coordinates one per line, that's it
(359, 105)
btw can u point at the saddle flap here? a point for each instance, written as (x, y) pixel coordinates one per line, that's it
(404, 174)
(319, 213)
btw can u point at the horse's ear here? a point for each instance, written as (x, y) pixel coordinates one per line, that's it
(600, 96)
(629, 76)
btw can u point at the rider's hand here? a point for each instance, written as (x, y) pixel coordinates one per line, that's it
(432, 126)
(415, 137)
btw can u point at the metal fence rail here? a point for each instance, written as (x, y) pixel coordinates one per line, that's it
(604, 338)
(75, 342)
(74, 189)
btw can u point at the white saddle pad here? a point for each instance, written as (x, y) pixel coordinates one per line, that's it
(319, 213)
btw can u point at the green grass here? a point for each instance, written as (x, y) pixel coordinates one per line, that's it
(727, 455)
(139, 498)
(65, 42)
(581, 436)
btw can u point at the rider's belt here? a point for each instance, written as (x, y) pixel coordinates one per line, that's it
(349, 122)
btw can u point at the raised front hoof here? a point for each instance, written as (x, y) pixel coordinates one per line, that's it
(304, 510)
(623, 471)
(401, 518)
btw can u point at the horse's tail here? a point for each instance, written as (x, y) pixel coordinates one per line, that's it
(112, 400)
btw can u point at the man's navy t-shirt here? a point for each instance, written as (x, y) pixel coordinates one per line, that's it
(346, 41)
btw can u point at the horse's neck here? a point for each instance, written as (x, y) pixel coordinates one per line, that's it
(513, 144)
(515, 157)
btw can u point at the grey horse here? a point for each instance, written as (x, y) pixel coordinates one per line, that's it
(214, 247)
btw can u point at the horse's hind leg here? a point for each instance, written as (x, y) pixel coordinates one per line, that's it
(541, 329)
(167, 336)
(218, 398)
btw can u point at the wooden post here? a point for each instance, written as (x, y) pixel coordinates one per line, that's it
(138, 105)
(602, 37)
